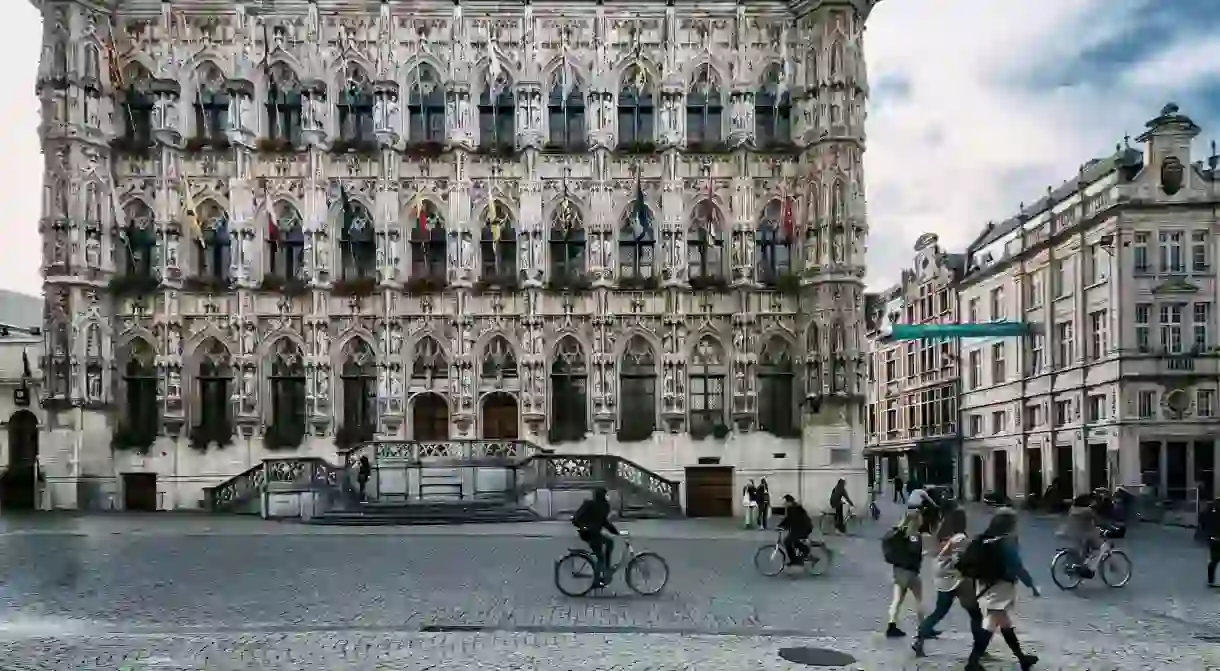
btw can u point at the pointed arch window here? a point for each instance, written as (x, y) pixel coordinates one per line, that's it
(776, 385)
(565, 112)
(638, 391)
(498, 251)
(773, 244)
(60, 355)
(430, 363)
(704, 110)
(636, 108)
(636, 247)
(214, 384)
(287, 427)
(425, 107)
(499, 361)
(284, 107)
(356, 108)
(140, 411)
(569, 398)
(359, 376)
(356, 243)
(497, 115)
(59, 56)
(773, 112)
(704, 248)
(138, 241)
(286, 244)
(707, 373)
(428, 257)
(211, 108)
(135, 109)
(568, 243)
(214, 243)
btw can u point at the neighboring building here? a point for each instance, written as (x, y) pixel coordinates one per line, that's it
(20, 352)
(1116, 270)
(912, 426)
(579, 225)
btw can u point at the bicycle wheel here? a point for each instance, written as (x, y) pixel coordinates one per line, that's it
(647, 573)
(1063, 571)
(575, 575)
(826, 523)
(1115, 569)
(819, 559)
(770, 560)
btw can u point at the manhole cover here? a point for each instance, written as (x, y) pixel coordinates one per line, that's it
(816, 656)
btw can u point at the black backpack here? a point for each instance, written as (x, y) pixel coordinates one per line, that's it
(899, 550)
(983, 561)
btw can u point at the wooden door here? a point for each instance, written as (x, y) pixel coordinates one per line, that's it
(500, 417)
(709, 491)
(140, 491)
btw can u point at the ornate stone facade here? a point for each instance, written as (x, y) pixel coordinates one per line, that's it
(357, 222)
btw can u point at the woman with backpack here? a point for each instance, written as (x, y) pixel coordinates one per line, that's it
(902, 547)
(950, 584)
(994, 561)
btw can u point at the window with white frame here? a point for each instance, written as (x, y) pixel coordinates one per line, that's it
(999, 372)
(910, 371)
(1063, 344)
(1095, 408)
(1094, 264)
(976, 425)
(1171, 327)
(1143, 328)
(972, 310)
(997, 304)
(891, 365)
(1145, 404)
(1033, 289)
(1200, 251)
(1098, 335)
(1033, 416)
(891, 416)
(1036, 343)
(999, 421)
(1172, 259)
(1205, 403)
(1060, 284)
(1139, 253)
(1201, 317)
(1063, 412)
(976, 368)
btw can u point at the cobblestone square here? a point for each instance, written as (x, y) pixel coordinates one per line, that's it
(196, 593)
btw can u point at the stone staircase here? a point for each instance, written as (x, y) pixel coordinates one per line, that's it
(380, 513)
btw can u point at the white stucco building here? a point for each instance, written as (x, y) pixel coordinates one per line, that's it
(1116, 271)
(280, 231)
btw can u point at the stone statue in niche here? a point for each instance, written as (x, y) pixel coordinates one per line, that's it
(249, 391)
(93, 252)
(93, 384)
(323, 386)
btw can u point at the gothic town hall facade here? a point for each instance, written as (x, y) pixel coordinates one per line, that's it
(286, 228)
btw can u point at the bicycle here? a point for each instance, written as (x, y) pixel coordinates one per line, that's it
(581, 564)
(1108, 561)
(826, 521)
(772, 559)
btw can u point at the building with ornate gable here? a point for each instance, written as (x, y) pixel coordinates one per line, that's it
(284, 228)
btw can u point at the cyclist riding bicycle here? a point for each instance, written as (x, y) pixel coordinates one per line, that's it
(837, 496)
(922, 500)
(1082, 527)
(591, 519)
(799, 526)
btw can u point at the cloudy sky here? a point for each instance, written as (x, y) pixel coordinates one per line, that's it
(977, 106)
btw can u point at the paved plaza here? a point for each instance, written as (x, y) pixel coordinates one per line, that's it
(196, 592)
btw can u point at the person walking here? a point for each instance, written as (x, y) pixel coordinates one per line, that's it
(764, 503)
(994, 560)
(838, 496)
(749, 504)
(362, 475)
(902, 547)
(1209, 524)
(898, 489)
(950, 585)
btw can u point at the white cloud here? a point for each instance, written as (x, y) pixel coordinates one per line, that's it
(966, 145)
(20, 158)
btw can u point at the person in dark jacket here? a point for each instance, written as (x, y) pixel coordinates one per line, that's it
(837, 496)
(1209, 524)
(898, 495)
(362, 475)
(997, 600)
(591, 519)
(904, 552)
(798, 525)
(764, 503)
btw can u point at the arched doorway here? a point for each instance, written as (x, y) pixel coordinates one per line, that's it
(19, 489)
(499, 420)
(430, 417)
